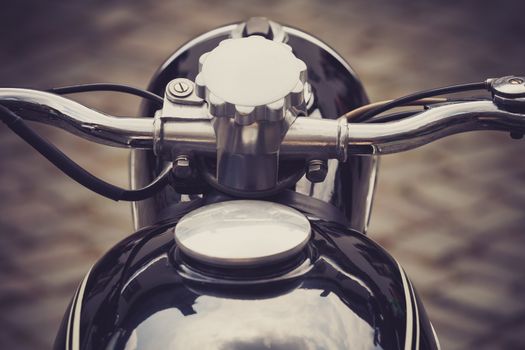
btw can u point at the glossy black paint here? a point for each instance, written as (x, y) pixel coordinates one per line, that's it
(343, 292)
(337, 90)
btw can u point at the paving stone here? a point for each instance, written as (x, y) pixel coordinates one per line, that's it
(403, 209)
(42, 258)
(16, 287)
(426, 277)
(488, 270)
(493, 216)
(514, 333)
(431, 244)
(442, 195)
(481, 298)
(509, 252)
(452, 323)
(67, 278)
(31, 222)
(43, 317)
(14, 339)
(450, 338)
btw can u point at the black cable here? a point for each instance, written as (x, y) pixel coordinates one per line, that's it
(419, 95)
(391, 117)
(153, 187)
(108, 87)
(72, 169)
(385, 118)
(283, 184)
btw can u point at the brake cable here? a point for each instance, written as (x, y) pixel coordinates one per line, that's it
(108, 87)
(366, 112)
(75, 171)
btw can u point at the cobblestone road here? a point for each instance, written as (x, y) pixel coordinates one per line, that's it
(451, 212)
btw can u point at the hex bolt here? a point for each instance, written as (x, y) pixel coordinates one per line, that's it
(316, 170)
(182, 167)
(180, 87)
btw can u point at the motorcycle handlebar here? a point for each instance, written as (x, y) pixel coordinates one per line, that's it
(306, 137)
(431, 124)
(54, 110)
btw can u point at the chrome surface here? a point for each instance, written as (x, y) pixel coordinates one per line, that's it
(371, 186)
(305, 138)
(144, 165)
(254, 88)
(182, 167)
(312, 137)
(508, 94)
(47, 108)
(350, 289)
(316, 170)
(258, 26)
(298, 320)
(186, 110)
(179, 87)
(430, 125)
(184, 135)
(348, 197)
(251, 79)
(242, 233)
(510, 86)
(141, 211)
(248, 156)
(188, 127)
(181, 92)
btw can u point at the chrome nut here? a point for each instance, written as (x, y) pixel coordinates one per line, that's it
(182, 167)
(317, 170)
(262, 81)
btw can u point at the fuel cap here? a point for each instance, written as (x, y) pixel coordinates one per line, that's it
(251, 79)
(242, 233)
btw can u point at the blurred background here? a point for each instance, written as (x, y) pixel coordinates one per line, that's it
(452, 212)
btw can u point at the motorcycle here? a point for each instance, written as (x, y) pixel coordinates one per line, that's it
(253, 169)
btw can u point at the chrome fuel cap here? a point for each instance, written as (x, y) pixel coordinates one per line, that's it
(242, 233)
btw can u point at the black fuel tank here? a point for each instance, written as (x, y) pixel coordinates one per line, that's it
(342, 292)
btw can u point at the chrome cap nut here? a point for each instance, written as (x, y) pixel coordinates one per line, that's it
(182, 167)
(251, 79)
(316, 171)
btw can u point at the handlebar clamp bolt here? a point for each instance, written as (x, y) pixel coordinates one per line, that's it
(180, 87)
(316, 170)
(182, 167)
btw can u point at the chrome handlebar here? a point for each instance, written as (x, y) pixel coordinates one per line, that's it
(51, 109)
(306, 137)
(432, 124)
